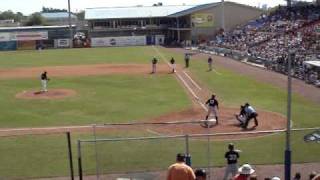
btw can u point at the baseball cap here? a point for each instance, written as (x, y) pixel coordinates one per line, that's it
(246, 169)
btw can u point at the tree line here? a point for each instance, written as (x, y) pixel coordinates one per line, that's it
(35, 18)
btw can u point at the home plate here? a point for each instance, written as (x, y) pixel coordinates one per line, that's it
(208, 123)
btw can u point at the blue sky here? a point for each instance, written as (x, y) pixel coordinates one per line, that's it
(29, 6)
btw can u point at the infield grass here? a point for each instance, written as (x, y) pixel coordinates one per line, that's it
(99, 99)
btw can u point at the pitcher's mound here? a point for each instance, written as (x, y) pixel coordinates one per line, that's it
(51, 94)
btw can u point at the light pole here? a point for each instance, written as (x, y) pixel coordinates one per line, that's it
(287, 155)
(70, 24)
(222, 16)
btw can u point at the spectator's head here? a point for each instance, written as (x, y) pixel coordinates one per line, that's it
(246, 170)
(317, 177)
(297, 176)
(312, 175)
(231, 146)
(181, 157)
(275, 178)
(200, 174)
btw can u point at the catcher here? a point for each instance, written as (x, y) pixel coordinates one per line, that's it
(44, 81)
(241, 117)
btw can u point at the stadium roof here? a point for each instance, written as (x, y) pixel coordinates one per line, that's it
(57, 15)
(133, 12)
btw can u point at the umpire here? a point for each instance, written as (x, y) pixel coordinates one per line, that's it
(232, 157)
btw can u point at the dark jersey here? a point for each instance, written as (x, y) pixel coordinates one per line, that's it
(210, 60)
(44, 76)
(232, 157)
(212, 102)
(172, 61)
(154, 61)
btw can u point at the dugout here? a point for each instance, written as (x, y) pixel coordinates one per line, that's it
(33, 37)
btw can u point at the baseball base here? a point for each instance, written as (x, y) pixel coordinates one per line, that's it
(208, 123)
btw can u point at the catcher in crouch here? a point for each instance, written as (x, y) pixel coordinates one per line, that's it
(213, 107)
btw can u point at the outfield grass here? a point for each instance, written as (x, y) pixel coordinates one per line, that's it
(121, 98)
(60, 57)
(100, 99)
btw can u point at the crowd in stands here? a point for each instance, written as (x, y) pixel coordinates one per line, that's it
(181, 169)
(269, 38)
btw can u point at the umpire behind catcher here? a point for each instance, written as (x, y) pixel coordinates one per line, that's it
(251, 114)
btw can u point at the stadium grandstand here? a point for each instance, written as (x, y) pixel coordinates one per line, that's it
(266, 41)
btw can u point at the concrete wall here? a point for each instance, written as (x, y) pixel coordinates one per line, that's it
(234, 15)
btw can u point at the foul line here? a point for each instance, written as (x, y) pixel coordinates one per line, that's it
(216, 72)
(188, 87)
(181, 79)
(192, 81)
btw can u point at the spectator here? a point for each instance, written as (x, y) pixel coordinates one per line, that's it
(312, 175)
(297, 176)
(201, 174)
(245, 171)
(179, 170)
(317, 177)
(232, 157)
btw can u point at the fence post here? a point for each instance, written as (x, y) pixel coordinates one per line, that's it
(79, 160)
(70, 155)
(188, 156)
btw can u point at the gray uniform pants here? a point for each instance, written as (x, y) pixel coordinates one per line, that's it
(230, 169)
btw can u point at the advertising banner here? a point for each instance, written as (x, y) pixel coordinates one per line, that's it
(26, 45)
(5, 37)
(29, 36)
(6, 46)
(119, 41)
(202, 20)
(63, 43)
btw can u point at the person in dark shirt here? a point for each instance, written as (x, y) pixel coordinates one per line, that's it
(213, 106)
(154, 65)
(232, 157)
(200, 174)
(44, 81)
(173, 65)
(210, 63)
(187, 59)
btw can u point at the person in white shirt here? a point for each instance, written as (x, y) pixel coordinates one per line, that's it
(251, 114)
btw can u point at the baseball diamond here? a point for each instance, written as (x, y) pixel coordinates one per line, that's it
(120, 92)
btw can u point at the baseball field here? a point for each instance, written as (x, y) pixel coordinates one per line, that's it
(114, 85)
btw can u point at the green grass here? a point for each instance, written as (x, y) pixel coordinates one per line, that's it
(122, 98)
(100, 99)
(46, 155)
(234, 89)
(60, 57)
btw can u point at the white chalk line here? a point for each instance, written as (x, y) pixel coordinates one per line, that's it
(216, 72)
(192, 81)
(181, 79)
(46, 128)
